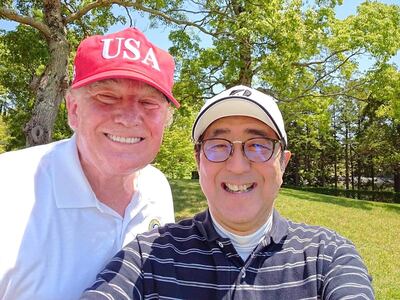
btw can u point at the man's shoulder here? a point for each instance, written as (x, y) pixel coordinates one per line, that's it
(23, 163)
(29, 154)
(180, 228)
(24, 174)
(308, 234)
(172, 232)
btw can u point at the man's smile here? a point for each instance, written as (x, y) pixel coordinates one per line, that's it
(124, 140)
(238, 188)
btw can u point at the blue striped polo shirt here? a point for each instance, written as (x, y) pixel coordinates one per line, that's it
(189, 260)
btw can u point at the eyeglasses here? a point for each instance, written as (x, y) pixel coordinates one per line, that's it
(259, 149)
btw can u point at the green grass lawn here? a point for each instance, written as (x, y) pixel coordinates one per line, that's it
(372, 226)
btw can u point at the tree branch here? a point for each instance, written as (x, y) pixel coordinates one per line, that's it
(138, 6)
(87, 8)
(331, 71)
(343, 93)
(174, 20)
(318, 62)
(12, 15)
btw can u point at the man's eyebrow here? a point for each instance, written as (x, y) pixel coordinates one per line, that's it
(253, 131)
(219, 131)
(259, 132)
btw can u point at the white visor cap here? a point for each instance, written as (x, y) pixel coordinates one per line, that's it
(240, 101)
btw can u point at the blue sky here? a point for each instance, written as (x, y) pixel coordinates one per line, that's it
(349, 7)
(160, 36)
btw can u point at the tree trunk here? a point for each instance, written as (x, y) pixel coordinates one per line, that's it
(372, 178)
(296, 170)
(53, 83)
(245, 73)
(336, 171)
(396, 184)
(358, 177)
(346, 155)
(396, 169)
(322, 169)
(352, 168)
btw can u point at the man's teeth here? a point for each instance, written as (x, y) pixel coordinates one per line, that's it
(124, 140)
(238, 188)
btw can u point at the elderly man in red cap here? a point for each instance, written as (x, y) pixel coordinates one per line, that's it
(67, 207)
(240, 247)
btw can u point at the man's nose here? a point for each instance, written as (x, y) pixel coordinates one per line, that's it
(129, 114)
(238, 163)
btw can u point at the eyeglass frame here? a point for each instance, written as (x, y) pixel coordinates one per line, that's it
(199, 144)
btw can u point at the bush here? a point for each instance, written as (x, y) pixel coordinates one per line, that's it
(388, 197)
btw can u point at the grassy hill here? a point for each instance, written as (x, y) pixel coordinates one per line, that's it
(372, 226)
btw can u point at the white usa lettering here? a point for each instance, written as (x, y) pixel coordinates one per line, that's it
(130, 49)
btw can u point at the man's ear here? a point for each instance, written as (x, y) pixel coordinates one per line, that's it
(197, 158)
(72, 107)
(286, 157)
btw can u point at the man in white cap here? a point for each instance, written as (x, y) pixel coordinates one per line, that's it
(240, 248)
(67, 207)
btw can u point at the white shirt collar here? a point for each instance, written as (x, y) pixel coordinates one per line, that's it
(244, 244)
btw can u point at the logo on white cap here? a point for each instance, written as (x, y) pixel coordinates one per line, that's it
(241, 92)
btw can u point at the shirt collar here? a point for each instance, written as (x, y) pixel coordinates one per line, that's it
(204, 224)
(280, 227)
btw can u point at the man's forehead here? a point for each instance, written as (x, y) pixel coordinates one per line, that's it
(115, 85)
(230, 124)
(116, 82)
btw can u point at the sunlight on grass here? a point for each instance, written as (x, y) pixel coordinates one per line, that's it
(188, 198)
(372, 226)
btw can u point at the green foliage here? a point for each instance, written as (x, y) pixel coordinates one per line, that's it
(15, 121)
(61, 127)
(385, 88)
(367, 28)
(176, 158)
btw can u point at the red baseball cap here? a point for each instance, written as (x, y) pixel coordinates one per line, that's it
(124, 54)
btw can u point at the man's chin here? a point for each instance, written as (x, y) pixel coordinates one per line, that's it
(128, 167)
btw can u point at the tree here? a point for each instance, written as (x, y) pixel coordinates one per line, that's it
(382, 121)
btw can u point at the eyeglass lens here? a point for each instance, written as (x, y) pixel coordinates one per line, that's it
(255, 149)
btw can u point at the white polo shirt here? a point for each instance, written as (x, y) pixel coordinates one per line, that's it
(55, 235)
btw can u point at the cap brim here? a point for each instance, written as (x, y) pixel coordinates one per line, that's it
(129, 75)
(230, 107)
